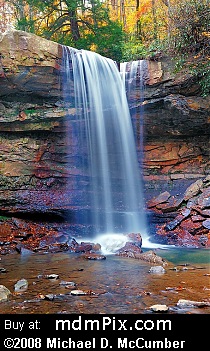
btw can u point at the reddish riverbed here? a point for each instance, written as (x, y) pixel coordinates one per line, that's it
(114, 285)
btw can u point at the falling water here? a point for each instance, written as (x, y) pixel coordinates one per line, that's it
(134, 75)
(116, 200)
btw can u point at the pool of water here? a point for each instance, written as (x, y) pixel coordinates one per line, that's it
(114, 285)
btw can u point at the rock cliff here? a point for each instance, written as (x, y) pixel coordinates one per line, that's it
(35, 164)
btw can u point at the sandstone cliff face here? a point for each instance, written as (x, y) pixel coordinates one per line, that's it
(29, 65)
(32, 125)
(176, 124)
(34, 157)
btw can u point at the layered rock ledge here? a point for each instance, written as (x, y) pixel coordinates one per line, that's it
(29, 65)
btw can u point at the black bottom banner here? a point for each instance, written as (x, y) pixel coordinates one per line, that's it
(104, 332)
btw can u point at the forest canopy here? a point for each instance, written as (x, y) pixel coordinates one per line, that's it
(120, 29)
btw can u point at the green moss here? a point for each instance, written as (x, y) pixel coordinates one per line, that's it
(31, 111)
(3, 218)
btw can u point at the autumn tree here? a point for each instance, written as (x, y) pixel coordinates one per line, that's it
(120, 29)
(79, 23)
(6, 15)
(190, 20)
(146, 20)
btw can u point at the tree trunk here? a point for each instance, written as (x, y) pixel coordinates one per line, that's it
(122, 12)
(155, 33)
(138, 22)
(168, 4)
(74, 25)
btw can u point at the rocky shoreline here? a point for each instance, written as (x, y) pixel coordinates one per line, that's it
(56, 288)
(186, 216)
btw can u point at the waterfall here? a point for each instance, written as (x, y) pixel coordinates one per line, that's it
(134, 75)
(94, 87)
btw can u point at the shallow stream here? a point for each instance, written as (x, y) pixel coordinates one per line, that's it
(114, 285)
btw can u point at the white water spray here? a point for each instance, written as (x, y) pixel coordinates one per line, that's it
(111, 242)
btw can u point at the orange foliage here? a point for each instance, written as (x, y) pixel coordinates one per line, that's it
(143, 9)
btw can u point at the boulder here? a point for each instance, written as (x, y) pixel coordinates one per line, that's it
(129, 250)
(151, 257)
(193, 190)
(191, 223)
(29, 65)
(163, 197)
(4, 293)
(94, 257)
(21, 285)
(159, 308)
(157, 270)
(183, 303)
